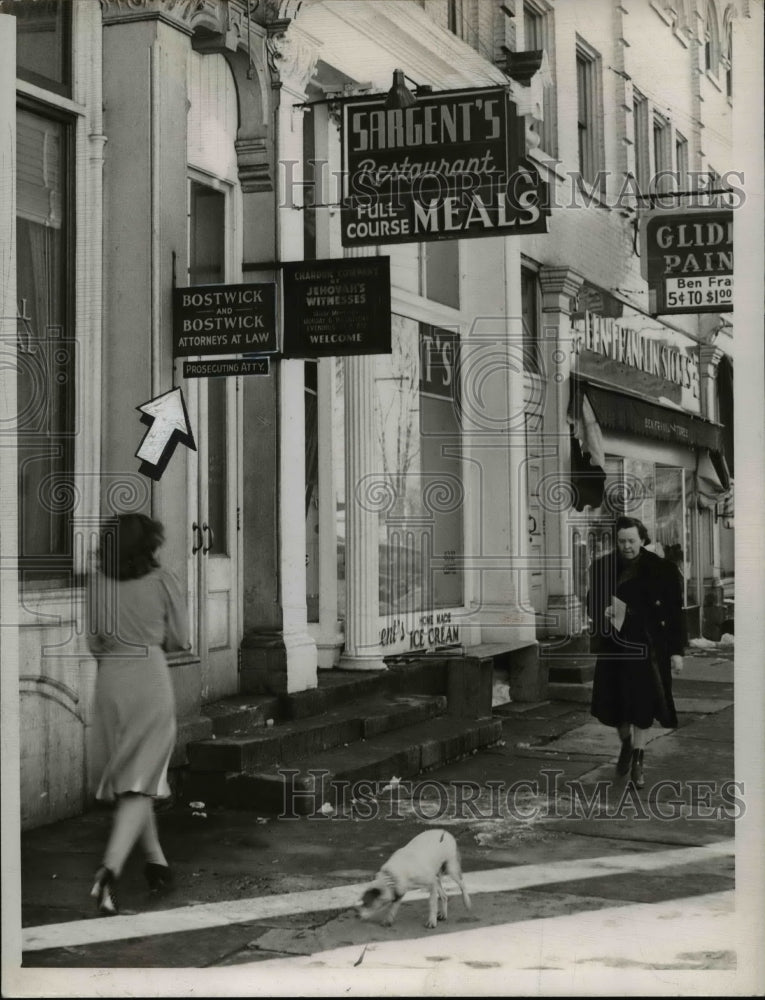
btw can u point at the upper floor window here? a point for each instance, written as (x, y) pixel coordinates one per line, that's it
(43, 42)
(662, 153)
(640, 139)
(729, 60)
(711, 39)
(589, 114)
(538, 36)
(454, 17)
(681, 161)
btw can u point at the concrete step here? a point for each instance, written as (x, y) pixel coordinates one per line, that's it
(563, 691)
(241, 714)
(340, 774)
(306, 737)
(571, 673)
(573, 645)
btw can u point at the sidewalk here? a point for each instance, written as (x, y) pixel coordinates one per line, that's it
(539, 809)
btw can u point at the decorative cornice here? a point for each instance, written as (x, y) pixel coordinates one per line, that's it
(187, 15)
(557, 283)
(291, 57)
(254, 164)
(281, 10)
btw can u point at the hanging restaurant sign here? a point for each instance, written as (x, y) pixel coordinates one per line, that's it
(450, 165)
(336, 307)
(224, 319)
(687, 260)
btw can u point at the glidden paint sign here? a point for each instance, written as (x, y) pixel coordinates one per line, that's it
(450, 166)
(687, 259)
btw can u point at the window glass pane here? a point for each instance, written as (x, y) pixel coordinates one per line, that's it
(670, 530)
(421, 532)
(217, 465)
(208, 228)
(442, 273)
(42, 41)
(530, 321)
(46, 352)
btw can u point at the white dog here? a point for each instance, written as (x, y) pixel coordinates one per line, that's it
(418, 865)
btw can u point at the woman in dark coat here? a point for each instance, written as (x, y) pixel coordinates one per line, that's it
(636, 657)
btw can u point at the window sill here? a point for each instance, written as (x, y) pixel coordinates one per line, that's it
(49, 97)
(589, 191)
(666, 17)
(53, 608)
(548, 162)
(713, 79)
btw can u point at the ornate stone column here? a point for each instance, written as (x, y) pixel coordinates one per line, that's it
(560, 286)
(292, 60)
(709, 358)
(362, 511)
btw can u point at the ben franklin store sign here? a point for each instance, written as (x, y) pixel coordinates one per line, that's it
(450, 166)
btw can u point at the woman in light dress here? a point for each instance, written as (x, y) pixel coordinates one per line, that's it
(136, 613)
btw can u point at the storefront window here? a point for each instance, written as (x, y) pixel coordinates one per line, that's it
(46, 351)
(421, 528)
(673, 529)
(43, 42)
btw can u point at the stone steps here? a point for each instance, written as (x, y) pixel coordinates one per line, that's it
(305, 737)
(353, 727)
(337, 775)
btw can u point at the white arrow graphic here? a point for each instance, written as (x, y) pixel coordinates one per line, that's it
(170, 423)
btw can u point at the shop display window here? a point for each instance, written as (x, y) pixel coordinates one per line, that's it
(46, 351)
(421, 525)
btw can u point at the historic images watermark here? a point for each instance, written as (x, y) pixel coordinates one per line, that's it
(526, 800)
(313, 183)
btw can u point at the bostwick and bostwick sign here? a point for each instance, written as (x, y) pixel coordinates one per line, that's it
(451, 165)
(687, 260)
(224, 319)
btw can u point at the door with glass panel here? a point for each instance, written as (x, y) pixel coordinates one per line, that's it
(214, 530)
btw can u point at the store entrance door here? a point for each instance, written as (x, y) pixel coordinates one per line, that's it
(214, 485)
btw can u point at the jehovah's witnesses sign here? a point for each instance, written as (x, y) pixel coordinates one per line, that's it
(450, 166)
(224, 319)
(336, 307)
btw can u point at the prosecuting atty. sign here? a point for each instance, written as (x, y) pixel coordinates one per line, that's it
(336, 307)
(451, 165)
(224, 319)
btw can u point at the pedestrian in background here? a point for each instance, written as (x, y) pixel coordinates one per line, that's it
(635, 604)
(137, 613)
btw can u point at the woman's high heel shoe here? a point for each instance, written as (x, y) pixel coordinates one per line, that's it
(638, 778)
(104, 892)
(159, 877)
(625, 756)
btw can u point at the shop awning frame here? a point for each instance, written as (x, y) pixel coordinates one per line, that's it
(628, 413)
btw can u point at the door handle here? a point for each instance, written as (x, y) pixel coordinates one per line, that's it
(533, 525)
(210, 537)
(196, 548)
